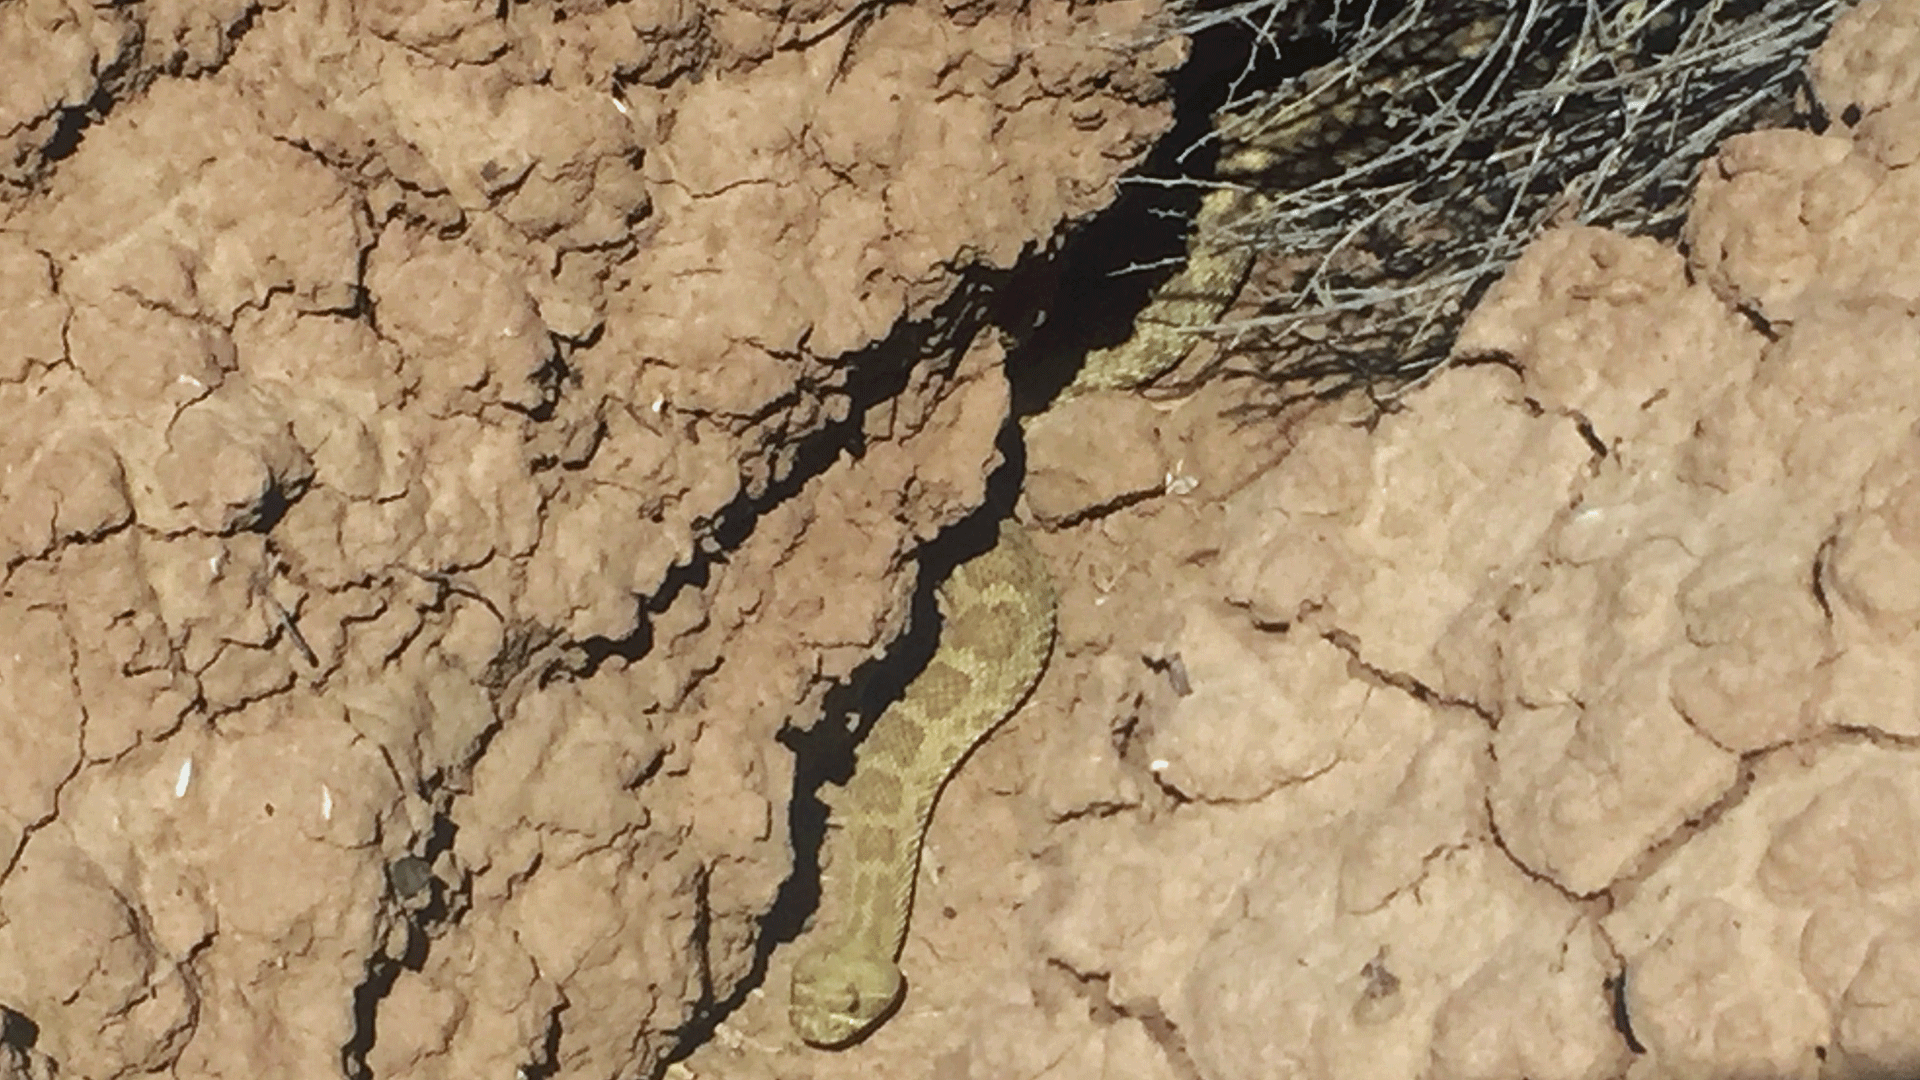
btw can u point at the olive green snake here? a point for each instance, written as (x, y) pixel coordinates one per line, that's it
(995, 638)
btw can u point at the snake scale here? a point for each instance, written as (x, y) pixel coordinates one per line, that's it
(997, 609)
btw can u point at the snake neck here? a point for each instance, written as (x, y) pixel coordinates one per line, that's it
(997, 614)
(869, 873)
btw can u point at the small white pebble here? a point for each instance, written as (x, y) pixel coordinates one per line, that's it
(619, 104)
(659, 403)
(326, 803)
(1178, 482)
(186, 777)
(1159, 765)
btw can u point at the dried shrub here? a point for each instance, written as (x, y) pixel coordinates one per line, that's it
(1396, 182)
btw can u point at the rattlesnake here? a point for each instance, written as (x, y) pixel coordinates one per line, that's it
(996, 636)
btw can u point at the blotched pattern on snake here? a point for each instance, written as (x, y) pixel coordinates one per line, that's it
(996, 634)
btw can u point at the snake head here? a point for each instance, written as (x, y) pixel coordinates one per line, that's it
(840, 995)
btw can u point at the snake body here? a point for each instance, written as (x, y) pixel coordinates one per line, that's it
(995, 638)
(996, 633)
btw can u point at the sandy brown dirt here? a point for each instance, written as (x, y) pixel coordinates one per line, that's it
(439, 454)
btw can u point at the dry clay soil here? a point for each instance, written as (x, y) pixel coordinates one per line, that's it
(441, 452)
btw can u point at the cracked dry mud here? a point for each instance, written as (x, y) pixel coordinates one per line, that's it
(430, 482)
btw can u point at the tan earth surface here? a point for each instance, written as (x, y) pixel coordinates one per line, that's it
(440, 453)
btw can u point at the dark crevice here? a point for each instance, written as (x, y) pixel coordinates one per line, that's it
(1622, 1021)
(1181, 798)
(422, 902)
(17, 1030)
(701, 1021)
(380, 975)
(1823, 558)
(874, 375)
(1590, 436)
(1605, 899)
(273, 505)
(1628, 881)
(1175, 797)
(1096, 990)
(1398, 680)
(1086, 294)
(67, 132)
(547, 1061)
(117, 81)
(1087, 301)
(858, 19)
(1105, 509)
